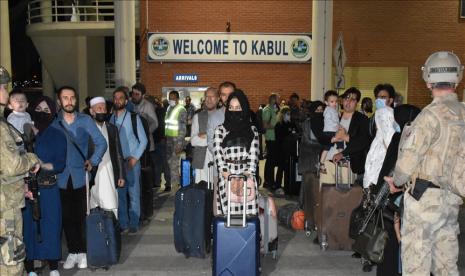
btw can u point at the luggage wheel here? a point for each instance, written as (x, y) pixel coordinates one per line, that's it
(308, 233)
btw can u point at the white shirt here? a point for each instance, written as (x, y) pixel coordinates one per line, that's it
(18, 119)
(331, 119)
(103, 194)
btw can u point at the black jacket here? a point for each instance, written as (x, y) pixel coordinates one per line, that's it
(116, 153)
(359, 144)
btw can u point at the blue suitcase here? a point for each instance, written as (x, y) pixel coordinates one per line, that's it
(236, 243)
(103, 239)
(187, 173)
(193, 217)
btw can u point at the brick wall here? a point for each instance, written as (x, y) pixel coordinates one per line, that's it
(376, 33)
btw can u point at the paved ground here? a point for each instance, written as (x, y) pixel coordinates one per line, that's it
(152, 252)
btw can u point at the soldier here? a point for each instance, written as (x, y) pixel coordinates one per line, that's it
(13, 168)
(175, 132)
(428, 155)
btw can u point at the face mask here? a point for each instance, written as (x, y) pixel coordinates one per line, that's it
(287, 118)
(42, 120)
(380, 103)
(100, 117)
(236, 116)
(172, 103)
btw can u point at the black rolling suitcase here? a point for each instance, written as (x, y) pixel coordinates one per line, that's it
(295, 177)
(146, 194)
(192, 219)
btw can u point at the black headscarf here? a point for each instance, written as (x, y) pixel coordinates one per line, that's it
(313, 106)
(238, 123)
(405, 113)
(41, 119)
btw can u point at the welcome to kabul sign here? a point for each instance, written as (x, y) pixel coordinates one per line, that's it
(229, 47)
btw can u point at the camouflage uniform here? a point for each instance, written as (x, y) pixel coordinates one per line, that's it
(13, 168)
(430, 228)
(176, 142)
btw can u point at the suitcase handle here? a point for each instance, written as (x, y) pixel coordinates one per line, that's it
(244, 207)
(210, 175)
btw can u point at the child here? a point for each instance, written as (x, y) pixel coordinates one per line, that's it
(18, 103)
(331, 124)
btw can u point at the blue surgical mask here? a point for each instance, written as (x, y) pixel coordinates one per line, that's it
(380, 103)
(397, 127)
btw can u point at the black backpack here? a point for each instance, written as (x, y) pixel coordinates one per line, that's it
(145, 158)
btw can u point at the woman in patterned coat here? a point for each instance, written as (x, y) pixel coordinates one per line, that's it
(236, 151)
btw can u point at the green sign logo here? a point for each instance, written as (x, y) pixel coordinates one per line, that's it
(299, 48)
(160, 46)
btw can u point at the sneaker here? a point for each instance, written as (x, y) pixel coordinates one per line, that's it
(133, 231)
(82, 260)
(71, 261)
(32, 273)
(54, 273)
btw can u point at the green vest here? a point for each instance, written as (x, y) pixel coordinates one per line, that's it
(172, 121)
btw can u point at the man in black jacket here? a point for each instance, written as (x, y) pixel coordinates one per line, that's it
(110, 173)
(356, 136)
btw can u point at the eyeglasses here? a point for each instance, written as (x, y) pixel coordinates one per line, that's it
(350, 98)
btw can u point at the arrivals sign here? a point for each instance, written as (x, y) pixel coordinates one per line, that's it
(229, 47)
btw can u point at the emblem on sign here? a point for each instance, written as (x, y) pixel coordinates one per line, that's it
(299, 48)
(160, 46)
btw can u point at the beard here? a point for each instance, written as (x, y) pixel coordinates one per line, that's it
(119, 106)
(69, 108)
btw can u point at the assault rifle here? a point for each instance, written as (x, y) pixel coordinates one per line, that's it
(33, 186)
(380, 202)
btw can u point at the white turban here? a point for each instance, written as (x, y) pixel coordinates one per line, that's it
(97, 100)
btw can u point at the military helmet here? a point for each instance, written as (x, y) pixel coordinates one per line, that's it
(4, 76)
(443, 67)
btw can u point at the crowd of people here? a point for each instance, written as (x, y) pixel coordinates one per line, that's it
(106, 149)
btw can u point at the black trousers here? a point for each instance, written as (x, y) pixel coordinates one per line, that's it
(74, 206)
(283, 171)
(29, 265)
(270, 164)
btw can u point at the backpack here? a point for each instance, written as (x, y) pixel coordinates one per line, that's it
(451, 146)
(145, 161)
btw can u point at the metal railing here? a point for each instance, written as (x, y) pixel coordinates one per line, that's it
(110, 75)
(45, 11)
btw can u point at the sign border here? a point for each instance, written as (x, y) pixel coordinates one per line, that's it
(226, 61)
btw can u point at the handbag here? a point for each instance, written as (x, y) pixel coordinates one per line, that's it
(356, 221)
(237, 190)
(370, 244)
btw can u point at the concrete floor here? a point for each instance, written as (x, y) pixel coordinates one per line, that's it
(151, 252)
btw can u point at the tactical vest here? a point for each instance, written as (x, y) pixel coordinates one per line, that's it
(172, 121)
(445, 159)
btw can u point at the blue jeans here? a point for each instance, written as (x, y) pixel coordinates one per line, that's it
(129, 217)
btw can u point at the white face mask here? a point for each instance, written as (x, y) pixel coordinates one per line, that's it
(287, 118)
(172, 103)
